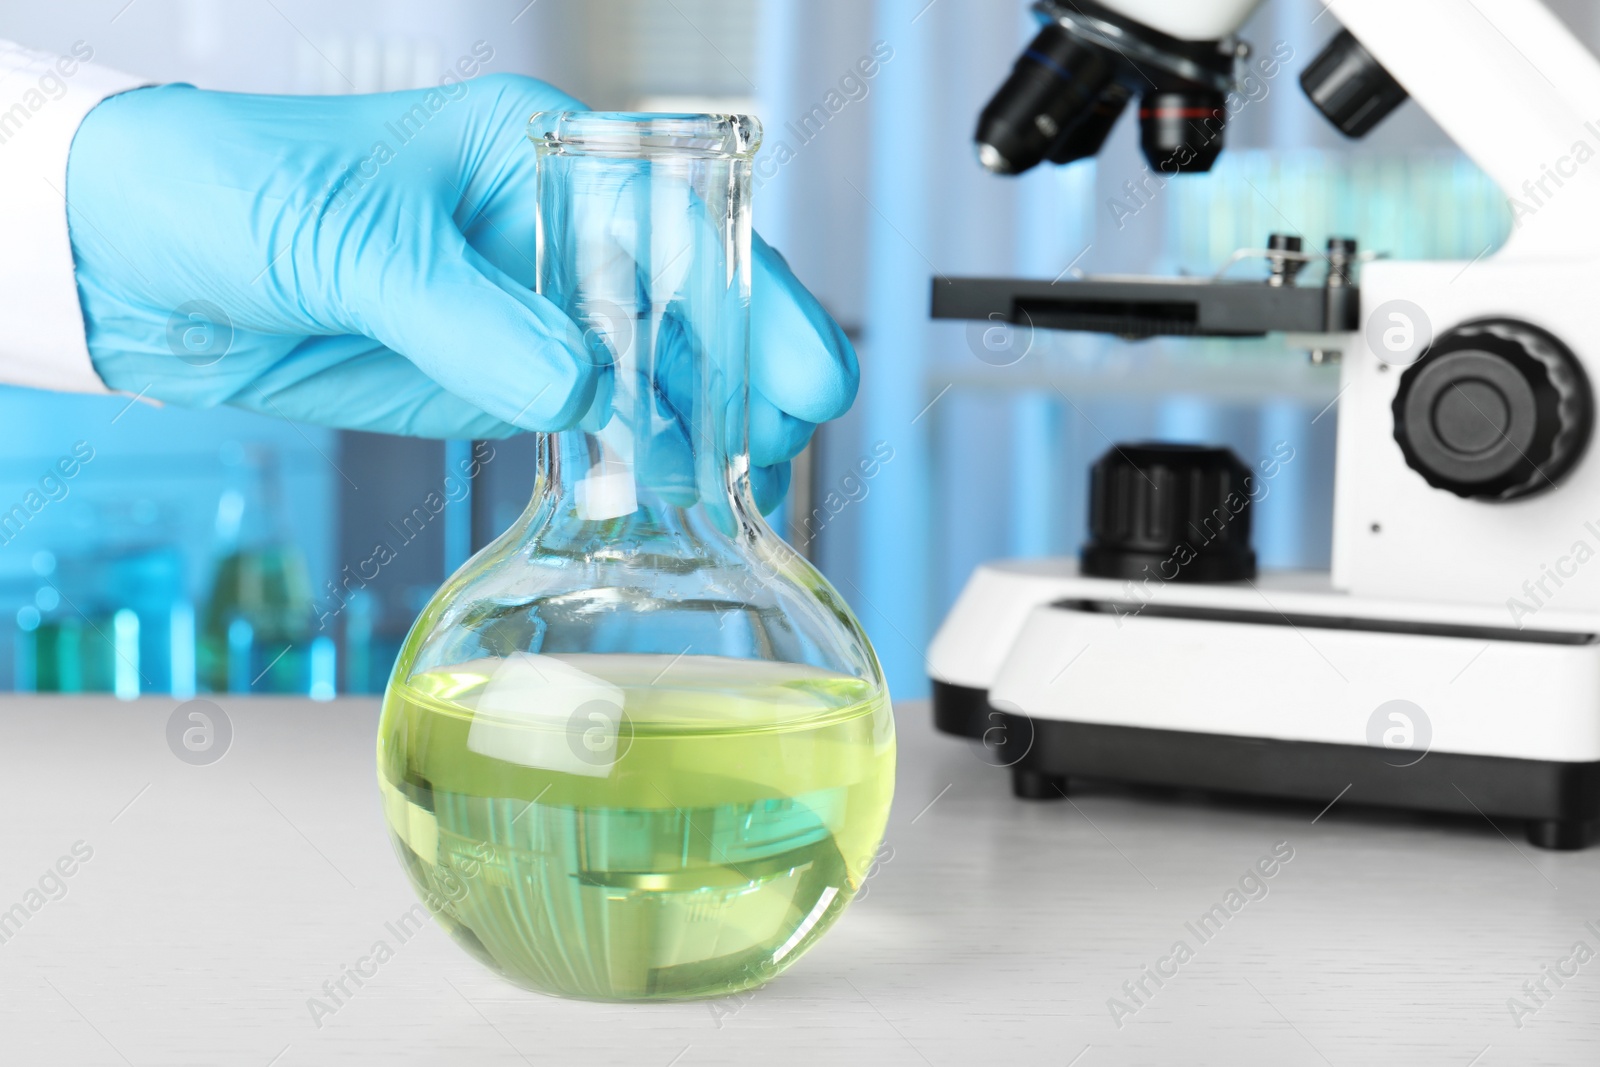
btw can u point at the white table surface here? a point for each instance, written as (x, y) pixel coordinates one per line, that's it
(219, 898)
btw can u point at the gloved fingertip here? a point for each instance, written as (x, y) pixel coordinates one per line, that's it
(572, 382)
(801, 358)
(775, 435)
(597, 412)
(563, 394)
(769, 485)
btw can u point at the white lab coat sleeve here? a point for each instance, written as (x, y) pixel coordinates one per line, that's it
(43, 99)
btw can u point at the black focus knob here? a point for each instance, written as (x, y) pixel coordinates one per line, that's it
(1494, 410)
(1175, 513)
(1350, 87)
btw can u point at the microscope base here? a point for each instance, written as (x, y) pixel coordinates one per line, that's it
(1559, 801)
(1280, 686)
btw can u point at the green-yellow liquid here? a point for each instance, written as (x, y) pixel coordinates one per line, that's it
(626, 827)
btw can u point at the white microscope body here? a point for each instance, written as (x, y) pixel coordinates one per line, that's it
(1450, 658)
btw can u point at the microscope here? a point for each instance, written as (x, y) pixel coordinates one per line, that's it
(1449, 658)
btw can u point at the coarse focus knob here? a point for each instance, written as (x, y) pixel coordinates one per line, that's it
(1495, 409)
(1174, 513)
(1350, 87)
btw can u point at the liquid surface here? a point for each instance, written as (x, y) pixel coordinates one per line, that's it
(627, 827)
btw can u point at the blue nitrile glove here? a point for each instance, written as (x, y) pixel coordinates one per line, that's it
(366, 262)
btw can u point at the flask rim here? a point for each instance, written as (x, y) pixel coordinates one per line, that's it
(645, 134)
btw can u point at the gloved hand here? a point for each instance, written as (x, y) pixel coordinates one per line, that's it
(365, 262)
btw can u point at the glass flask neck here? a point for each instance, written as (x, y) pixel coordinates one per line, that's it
(644, 241)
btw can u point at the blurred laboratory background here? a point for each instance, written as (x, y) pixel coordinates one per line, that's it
(220, 550)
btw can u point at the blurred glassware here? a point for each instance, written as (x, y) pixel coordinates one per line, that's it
(255, 632)
(101, 619)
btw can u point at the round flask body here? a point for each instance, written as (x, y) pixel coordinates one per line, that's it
(638, 748)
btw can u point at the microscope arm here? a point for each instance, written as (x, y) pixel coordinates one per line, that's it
(1515, 90)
